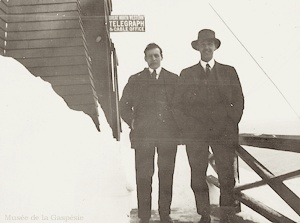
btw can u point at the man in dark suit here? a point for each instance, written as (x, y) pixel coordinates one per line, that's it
(146, 106)
(208, 107)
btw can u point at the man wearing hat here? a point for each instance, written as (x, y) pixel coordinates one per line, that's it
(208, 107)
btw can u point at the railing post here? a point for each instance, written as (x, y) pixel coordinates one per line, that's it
(277, 185)
(237, 179)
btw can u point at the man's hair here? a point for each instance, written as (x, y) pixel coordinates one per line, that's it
(151, 46)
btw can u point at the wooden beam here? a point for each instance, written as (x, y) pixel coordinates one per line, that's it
(116, 117)
(263, 209)
(255, 205)
(277, 142)
(263, 182)
(277, 185)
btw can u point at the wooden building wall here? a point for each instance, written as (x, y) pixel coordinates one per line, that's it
(67, 43)
(3, 18)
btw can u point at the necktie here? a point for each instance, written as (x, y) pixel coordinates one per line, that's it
(153, 75)
(207, 73)
(207, 70)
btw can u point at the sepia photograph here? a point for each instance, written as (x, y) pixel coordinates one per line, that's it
(130, 111)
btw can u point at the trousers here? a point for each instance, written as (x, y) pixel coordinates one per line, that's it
(144, 165)
(224, 153)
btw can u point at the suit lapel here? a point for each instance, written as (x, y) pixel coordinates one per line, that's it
(166, 82)
(218, 71)
(144, 77)
(142, 84)
(198, 74)
(144, 74)
(223, 80)
(163, 74)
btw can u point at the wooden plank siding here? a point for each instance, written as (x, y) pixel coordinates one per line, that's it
(65, 80)
(3, 18)
(40, 8)
(53, 61)
(38, 2)
(73, 89)
(56, 40)
(44, 43)
(43, 25)
(3, 7)
(2, 34)
(47, 16)
(47, 37)
(2, 44)
(89, 109)
(3, 23)
(95, 14)
(46, 52)
(44, 34)
(59, 70)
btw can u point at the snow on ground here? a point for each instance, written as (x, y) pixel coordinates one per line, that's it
(278, 162)
(267, 196)
(54, 165)
(183, 197)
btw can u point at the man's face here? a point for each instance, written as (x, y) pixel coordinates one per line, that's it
(153, 58)
(207, 48)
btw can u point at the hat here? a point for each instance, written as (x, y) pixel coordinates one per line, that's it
(206, 34)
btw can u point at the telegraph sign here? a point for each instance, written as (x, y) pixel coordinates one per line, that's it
(127, 23)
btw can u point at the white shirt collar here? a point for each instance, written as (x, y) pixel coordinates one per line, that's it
(211, 63)
(158, 70)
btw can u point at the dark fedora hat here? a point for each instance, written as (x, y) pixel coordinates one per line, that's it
(206, 34)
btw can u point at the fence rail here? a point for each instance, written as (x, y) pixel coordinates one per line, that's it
(274, 142)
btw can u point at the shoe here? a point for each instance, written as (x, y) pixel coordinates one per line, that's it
(225, 220)
(144, 220)
(205, 219)
(231, 219)
(166, 219)
(227, 215)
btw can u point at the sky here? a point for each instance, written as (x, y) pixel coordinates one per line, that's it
(259, 38)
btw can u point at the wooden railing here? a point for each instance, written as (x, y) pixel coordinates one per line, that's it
(274, 142)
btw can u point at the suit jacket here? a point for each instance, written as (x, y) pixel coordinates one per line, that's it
(194, 117)
(135, 105)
